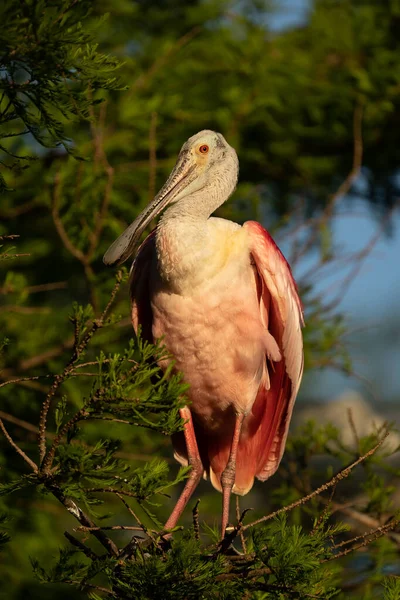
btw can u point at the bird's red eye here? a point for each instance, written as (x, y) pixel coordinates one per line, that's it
(204, 149)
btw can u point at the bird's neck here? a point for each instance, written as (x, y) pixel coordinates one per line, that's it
(185, 245)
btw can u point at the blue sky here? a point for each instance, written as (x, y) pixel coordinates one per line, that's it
(372, 299)
(288, 13)
(375, 291)
(370, 304)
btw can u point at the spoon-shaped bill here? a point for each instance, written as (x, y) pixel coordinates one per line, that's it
(126, 244)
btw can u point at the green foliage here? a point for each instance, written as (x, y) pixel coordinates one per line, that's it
(4, 536)
(135, 391)
(185, 572)
(50, 69)
(15, 485)
(286, 560)
(8, 254)
(66, 570)
(392, 588)
(296, 560)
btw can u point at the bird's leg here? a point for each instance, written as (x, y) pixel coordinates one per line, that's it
(228, 474)
(196, 472)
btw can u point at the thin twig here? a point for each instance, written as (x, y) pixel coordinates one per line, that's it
(104, 361)
(248, 574)
(82, 585)
(59, 224)
(324, 513)
(226, 542)
(33, 289)
(368, 538)
(9, 439)
(19, 422)
(343, 189)
(142, 80)
(44, 357)
(363, 519)
(127, 551)
(143, 527)
(148, 514)
(196, 525)
(345, 186)
(83, 258)
(27, 310)
(83, 519)
(7, 255)
(109, 528)
(358, 260)
(332, 482)
(100, 156)
(110, 490)
(81, 546)
(29, 427)
(10, 237)
(114, 292)
(78, 349)
(242, 538)
(16, 211)
(100, 217)
(23, 379)
(78, 416)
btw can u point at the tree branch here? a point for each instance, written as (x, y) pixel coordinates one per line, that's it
(83, 519)
(82, 547)
(78, 349)
(332, 482)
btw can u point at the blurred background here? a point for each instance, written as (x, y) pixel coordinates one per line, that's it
(308, 92)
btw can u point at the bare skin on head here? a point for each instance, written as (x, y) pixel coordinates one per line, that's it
(226, 303)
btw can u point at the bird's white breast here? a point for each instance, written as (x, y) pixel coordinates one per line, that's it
(205, 304)
(191, 253)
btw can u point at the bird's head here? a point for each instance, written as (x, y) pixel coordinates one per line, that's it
(206, 164)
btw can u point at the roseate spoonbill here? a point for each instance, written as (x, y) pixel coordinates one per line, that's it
(224, 298)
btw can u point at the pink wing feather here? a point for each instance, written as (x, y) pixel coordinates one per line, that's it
(139, 288)
(282, 314)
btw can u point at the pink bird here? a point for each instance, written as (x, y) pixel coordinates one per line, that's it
(224, 299)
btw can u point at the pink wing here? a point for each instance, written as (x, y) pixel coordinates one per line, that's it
(282, 314)
(139, 288)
